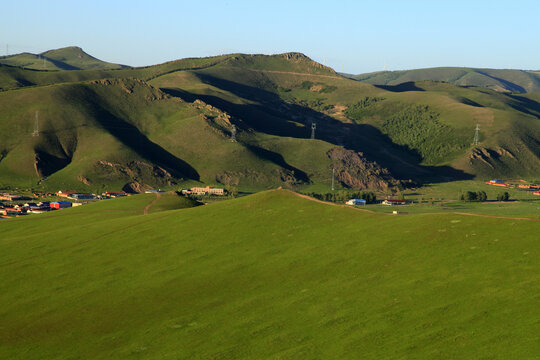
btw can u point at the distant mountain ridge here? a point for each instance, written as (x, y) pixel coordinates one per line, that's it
(504, 80)
(171, 124)
(68, 58)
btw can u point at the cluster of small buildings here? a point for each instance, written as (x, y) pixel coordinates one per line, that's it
(204, 191)
(532, 187)
(389, 202)
(75, 195)
(11, 197)
(18, 209)
(34, 208)
(535, 188)
(113, 194)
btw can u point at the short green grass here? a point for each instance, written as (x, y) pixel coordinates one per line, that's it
(171, 201)
(266, 276)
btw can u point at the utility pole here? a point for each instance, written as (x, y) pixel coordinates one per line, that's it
(476, 137)
(36, 125)
(333, 172)
(313, 127)
(233, 133)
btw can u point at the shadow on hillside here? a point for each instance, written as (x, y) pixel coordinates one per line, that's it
(47, 164)
(508, 84)
(525, 105)
(278, 160)
(60, 64)
(131, 136)
(403, 87)
(469, 102)
(271, 115)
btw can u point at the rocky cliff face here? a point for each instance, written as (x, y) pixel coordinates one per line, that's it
(354, 171)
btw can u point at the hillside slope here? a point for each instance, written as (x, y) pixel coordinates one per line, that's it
(378, 122)
(290, 278)
(68, 58)
(372, 137)
(497, 79)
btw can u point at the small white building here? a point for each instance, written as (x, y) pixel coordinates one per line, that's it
(356, 202)
(393, 202)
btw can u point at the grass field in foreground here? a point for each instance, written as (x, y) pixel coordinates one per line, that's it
(266, 276)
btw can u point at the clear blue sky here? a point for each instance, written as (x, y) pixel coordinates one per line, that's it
(354, 36)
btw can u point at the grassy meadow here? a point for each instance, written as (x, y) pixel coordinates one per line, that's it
(266, 276)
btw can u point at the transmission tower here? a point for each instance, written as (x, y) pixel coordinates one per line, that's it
(36, 125)
(233, 133)
(333, 172)
(313, 127)
(476, 133)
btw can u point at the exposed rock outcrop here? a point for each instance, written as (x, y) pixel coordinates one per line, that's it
(354, 171)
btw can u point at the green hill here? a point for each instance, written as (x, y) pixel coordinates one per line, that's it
(68, 58)
(171, 124)
(266, 276)
(497, 79)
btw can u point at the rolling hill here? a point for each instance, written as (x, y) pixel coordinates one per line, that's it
(171, 124)
(270, 275)
(68, 58)
(505, 80)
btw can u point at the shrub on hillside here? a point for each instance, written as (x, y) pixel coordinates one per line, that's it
(419, 128)
(358, 110)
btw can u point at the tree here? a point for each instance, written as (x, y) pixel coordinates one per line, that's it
(471, 196)
(232, 191)
(505, 196)
(481, 196)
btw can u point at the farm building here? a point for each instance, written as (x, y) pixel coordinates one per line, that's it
(394, 202)
(9, 211)
(153, 191)
(82, 196)
(536, 193)
(204, 190)
(529, 187)
(11, 197)
(66, 193)
(114, 194)
(497, 182)
(60, 204)
(356, 202)
(39, 211)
